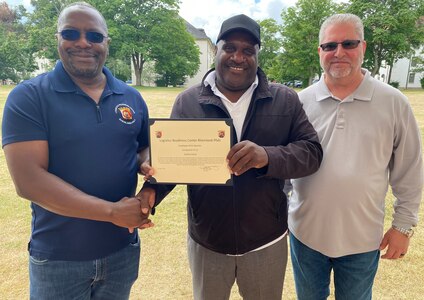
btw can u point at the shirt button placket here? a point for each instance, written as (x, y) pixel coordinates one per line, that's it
(340, 121)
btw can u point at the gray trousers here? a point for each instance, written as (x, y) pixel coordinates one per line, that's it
(259, 274)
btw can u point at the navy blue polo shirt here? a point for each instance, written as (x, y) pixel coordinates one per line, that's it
(91, 146)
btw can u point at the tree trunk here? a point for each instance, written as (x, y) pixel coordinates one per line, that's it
(138, 64)
(376, 65)
(311, 76)
(389, 78)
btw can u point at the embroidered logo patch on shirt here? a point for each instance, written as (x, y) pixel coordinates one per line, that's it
(125, 113)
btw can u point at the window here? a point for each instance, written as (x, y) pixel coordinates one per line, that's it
(411, 77)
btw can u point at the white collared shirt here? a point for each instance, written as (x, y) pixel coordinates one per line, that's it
(237, 110)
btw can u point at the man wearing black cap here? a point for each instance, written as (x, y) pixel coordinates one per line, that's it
(238, 233)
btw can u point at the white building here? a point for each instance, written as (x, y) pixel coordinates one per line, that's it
(403, 72)
(206, 48)
(207, 54)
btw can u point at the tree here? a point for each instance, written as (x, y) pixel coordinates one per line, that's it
(148, 30)
(418, 64)
(175, 56)
(392, 29)
(121, 69)
(43, 26)
(270, 46)
(7, 15)
(15, 53)
(300, 30)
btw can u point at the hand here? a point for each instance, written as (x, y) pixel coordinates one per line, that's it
(147, 202)
(146, 170)
(246, 155)
(397, 244)
(126, 213)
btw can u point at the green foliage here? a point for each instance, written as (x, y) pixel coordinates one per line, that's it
(394, 84)
(121, 69)
(43, 26)
(270, 46)
(301, 24)
(392, 29)
(422, 82)
(15, 52)
(418, 62)
(130, 23)
(177, 56)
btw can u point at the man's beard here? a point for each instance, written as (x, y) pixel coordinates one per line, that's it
(340, 73)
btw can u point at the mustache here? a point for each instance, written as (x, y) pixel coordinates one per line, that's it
(340, 61)
(81, 52)
(236, 65)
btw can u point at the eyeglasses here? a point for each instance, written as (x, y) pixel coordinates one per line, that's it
(347, 44)
(74, 35)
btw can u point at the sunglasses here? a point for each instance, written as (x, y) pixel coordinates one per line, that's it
(74, 35)
(347, 44)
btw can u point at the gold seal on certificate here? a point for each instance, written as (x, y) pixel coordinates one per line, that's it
(190, 151)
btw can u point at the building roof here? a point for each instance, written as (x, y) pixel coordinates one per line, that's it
(197, 33)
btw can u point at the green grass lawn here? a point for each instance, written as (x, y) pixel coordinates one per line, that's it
(164, 272)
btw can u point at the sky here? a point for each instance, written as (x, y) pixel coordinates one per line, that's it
(209, 14)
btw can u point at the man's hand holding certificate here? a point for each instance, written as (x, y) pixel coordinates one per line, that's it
(246, 155)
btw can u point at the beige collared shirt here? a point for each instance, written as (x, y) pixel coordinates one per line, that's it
(370, 140)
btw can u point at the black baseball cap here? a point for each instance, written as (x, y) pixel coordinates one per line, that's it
(243, 23)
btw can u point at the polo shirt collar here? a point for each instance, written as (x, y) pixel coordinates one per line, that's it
(364, 91)
(62, 82)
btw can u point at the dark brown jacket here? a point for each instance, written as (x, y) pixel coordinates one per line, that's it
(253, 212)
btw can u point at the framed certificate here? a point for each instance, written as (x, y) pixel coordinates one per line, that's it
(190, 151)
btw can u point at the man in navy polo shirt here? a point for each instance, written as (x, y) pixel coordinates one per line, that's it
(74, 139)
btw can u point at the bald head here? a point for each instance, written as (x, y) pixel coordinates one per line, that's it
(79, 6)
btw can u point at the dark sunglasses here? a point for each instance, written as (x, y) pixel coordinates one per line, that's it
(74, 35)
(347, 44)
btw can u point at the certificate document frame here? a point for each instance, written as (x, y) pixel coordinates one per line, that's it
(190, 151)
